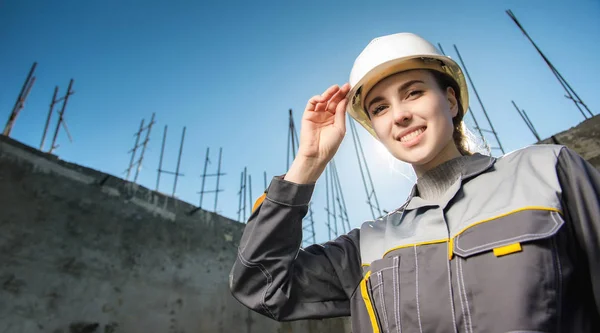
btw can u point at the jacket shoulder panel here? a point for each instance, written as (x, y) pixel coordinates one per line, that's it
(525, 179)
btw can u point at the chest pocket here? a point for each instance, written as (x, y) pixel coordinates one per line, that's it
(510, 266)
(381, 292)
(408, 289)
(499, 234)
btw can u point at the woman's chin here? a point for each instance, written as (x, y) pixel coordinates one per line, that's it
(416, 157)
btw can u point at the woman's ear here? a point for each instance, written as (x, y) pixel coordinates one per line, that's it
(451, 96)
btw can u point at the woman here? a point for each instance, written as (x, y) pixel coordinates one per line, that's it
(482, 244)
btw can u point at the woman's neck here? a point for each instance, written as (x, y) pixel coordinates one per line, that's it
(434, 183)
(448, 153)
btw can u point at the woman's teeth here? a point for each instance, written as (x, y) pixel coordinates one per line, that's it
(412, 135)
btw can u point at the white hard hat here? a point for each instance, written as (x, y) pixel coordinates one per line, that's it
(392, 54)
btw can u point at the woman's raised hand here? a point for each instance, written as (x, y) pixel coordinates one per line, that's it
(322, 130)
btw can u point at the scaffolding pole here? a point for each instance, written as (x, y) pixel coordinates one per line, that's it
(527, 122)
(134, 149)
(493, 130)
(205, 175)
(340, 198)
(244, 204)
(308, 223)
(327, 207)
(217, 190)
(20, 103)
(206, 161)
(160, 160)
(369, 187)
(242, 196)
(250, 197)
(144, 145)
(333, 214)
(61, 118)
(571, 94)
(469, 109)
(177, 174)
(54, 101)
(265, 179)
(337, 218)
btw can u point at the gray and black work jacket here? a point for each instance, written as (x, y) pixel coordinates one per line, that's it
(512, 246)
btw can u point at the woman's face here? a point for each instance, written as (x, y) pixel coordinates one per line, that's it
(412, 117)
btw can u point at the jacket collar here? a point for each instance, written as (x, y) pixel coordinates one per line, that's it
(476, 165)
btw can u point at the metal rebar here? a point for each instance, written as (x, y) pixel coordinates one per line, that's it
(250, 197)
(289, 144)
(479, 99)
(146, 140)
(327, 207)
(134, 149)
(339, 185)
(334, 214)
(531, 123)
(477, 127)
(468, 108)
(218, 178)
(555, 71)
(310, 228)
(160, 160)
(20, 100)
(579, 100)
(338, 200)
(265, 178)
(294, 137)
(206, 161)
(360, 152)
(178, 161)
(244, 200)
(49, 118)
(362, 174)
(240, 196)
(61, 115)
(527, 122)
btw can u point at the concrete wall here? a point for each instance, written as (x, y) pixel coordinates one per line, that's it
(81, 251)
(583, 138)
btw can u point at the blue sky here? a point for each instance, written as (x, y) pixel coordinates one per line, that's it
(230, 71)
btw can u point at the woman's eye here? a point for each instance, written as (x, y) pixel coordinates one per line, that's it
(378, 109)
(414, 93)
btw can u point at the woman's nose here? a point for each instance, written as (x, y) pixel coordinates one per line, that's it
(402, 116)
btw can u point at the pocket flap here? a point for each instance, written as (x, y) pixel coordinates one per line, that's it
(519, 227)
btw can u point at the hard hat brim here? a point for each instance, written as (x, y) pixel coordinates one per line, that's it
(441, 64)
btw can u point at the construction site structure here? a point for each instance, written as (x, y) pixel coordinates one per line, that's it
(218, 174)
(570, 92)
(308, 223)
(138, 163)
(337, 212)
(491, 130)
(372, 200)
(177, 174)
(20, 103)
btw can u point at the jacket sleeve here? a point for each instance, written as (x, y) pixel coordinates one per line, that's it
(272, 275)
(580, 183)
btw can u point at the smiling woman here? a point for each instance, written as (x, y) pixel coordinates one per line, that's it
(482, 244)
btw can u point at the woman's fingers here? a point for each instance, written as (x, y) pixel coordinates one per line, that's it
(340, 115)
(339, 96)
(319, 102)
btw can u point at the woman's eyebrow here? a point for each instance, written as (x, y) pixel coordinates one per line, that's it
(375, 100)
(407, 85)
(403, 87)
